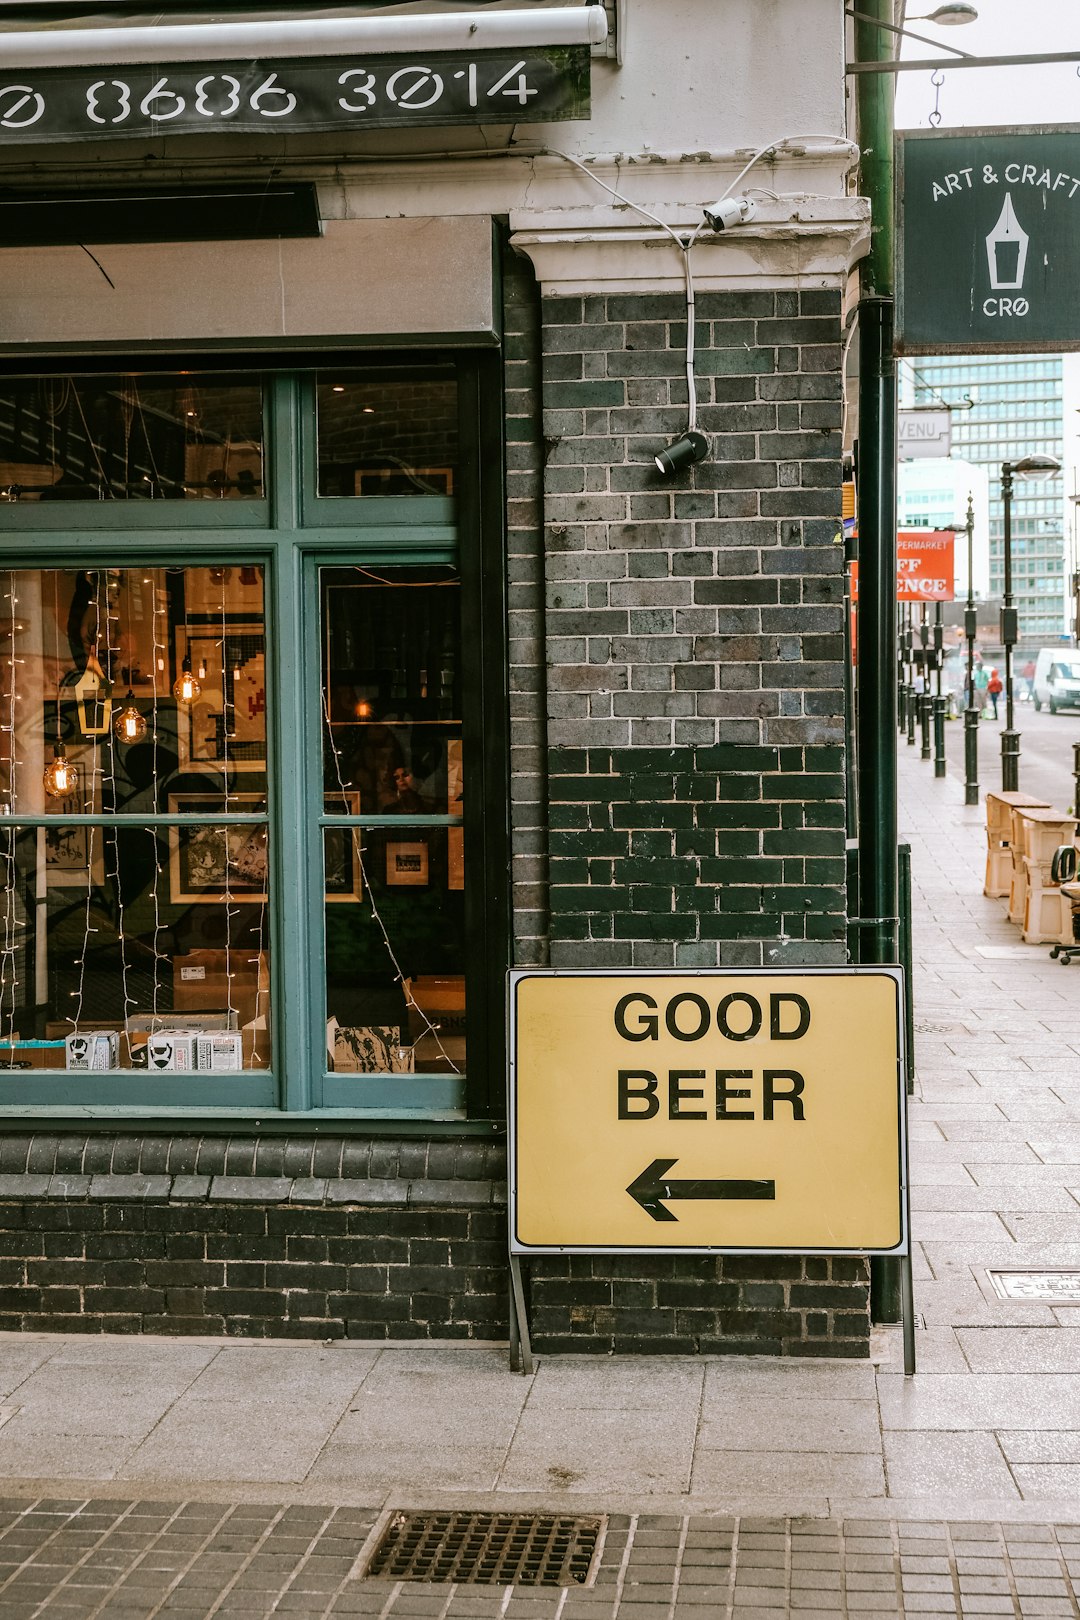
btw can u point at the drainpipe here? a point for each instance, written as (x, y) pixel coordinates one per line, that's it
(877, 713)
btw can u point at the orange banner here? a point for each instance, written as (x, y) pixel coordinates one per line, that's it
(925, 569)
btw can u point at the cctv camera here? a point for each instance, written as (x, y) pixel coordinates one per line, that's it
(683, 452)
(729, 211)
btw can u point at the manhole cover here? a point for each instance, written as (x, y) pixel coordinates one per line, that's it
(493, 1549)
(933, 1026)
(1037, 1287)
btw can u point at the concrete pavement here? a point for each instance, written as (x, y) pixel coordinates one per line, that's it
(840, 1479)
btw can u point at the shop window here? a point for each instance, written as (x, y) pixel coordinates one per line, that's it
(237, 865)
(130, 439)
(395, 875)
(133, 777)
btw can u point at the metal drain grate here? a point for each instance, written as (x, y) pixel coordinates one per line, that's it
(493, 1549)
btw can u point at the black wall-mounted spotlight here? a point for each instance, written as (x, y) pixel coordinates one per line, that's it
(683, 452)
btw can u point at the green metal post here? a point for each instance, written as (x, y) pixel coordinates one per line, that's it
(971, 713)
(877, 718)
(1010, 737)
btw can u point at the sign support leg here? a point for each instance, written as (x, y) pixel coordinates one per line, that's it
(907, 1304)
(521, 1357)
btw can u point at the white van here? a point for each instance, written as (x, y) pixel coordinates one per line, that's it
(1057, 678)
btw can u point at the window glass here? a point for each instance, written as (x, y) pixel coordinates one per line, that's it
(130, 693)
(151, 681)
(387, 432)
(134, 438)
(394, 912)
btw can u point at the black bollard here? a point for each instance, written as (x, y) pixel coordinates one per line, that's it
(939, 735)
(971, 753)
(924, 725)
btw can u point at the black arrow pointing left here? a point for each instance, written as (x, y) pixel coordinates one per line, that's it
(652, 1186)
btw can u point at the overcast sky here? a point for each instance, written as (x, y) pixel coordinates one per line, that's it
(985, 96)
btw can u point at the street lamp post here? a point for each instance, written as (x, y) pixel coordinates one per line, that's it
(939, 700)
(924, 695)
(1029, 467)
(909, 655)
(971, 713)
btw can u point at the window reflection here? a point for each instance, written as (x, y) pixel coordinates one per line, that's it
(388, 432)
(395, 893)
(131, 439)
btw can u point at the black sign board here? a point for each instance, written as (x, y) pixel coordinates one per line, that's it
(330, 93)
(990, 241)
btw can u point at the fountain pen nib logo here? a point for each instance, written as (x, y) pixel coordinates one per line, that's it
(1007, 249)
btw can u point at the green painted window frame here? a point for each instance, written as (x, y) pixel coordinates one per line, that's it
(293, 536)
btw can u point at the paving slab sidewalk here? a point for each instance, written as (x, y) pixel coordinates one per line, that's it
(936, 1495)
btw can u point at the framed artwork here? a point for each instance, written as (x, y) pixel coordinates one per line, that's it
(404, 480)
(228, 720)
(232, 590)
(341, 854)
(407, 864)
(455, 806)
(72, 854)
(208, 861)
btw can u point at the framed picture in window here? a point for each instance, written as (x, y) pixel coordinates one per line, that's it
(227, 722)
(210, 863)
(341, 850)
(407, 864)
(74, 857)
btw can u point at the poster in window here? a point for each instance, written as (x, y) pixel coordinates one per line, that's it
(228, 720)
(341, 847)
(407, 865)
(455, 806)
(209, 863)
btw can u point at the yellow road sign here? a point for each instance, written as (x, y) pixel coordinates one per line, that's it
(720, 1110)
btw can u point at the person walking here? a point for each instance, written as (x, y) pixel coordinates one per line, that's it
(982, 681)
(993, 690)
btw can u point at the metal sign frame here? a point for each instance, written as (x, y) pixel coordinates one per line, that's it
(895, 974)
(1021, 342)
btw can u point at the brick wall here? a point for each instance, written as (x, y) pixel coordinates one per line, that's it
(387, 1239)
(307, 1238)
(677, 691)
(694, 633)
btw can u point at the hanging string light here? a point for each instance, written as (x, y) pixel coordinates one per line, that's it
(186, 688)
(129, 726)
(61, 777)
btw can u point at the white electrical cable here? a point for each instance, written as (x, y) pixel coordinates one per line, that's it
(686, 245)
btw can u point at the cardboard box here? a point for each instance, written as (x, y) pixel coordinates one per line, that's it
(221, 1052)
(33, 1055)
(440, 998)
(171, 1049)
(256, 1043)
(96, 1049)
(201, 983)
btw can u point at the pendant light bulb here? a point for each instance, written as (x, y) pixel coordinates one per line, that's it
(61, 777)
(186, 688)
(129, 725)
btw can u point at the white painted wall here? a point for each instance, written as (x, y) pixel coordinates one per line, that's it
(702, 75)
(703, 85)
